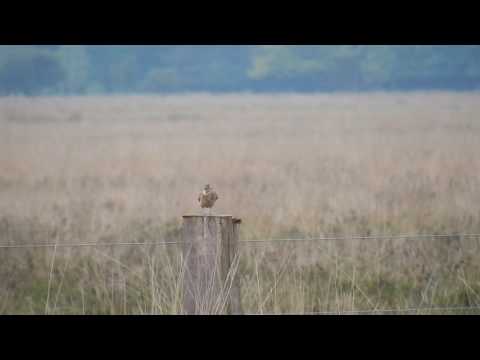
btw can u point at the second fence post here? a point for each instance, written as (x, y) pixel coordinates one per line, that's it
(210, 253)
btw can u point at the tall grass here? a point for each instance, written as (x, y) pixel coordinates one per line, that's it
(124, 169)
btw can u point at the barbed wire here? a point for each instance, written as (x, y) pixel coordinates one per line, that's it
(380, 311)
(369, 237)
(91, 244)
(259, 241)
(352, 312)
(278, 241)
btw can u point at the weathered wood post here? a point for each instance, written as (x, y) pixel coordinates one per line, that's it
(210, 253)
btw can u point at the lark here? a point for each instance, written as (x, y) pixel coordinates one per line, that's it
(207, 198)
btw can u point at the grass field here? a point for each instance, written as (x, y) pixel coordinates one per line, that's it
(126, 168)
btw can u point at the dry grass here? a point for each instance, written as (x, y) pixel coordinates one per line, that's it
(126, 168)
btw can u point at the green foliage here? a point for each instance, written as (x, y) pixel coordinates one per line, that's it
(160, 79)
(75, 61)
(28, 70)
(76, 69)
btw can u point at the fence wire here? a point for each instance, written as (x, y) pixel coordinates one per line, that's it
(246, 242)
(383, 311)
(292, 240)
(92, 244)
(410, 311)
(370, 237)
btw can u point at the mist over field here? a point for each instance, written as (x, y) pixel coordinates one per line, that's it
(288, 136)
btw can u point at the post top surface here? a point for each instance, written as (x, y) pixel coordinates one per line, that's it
(202, 216)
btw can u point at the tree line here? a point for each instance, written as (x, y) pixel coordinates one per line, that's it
(69, 69)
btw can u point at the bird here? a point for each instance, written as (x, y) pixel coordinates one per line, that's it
(207, 198)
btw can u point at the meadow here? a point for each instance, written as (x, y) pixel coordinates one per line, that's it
(126, 168)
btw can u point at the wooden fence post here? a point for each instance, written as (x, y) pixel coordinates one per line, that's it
(210, 253)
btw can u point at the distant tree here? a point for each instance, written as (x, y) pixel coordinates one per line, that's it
(75, 62)
(377, 66)
(28, 71)
(307, 67)
(122, 74)
(328, 67)
(176, 68)
(161, 80)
